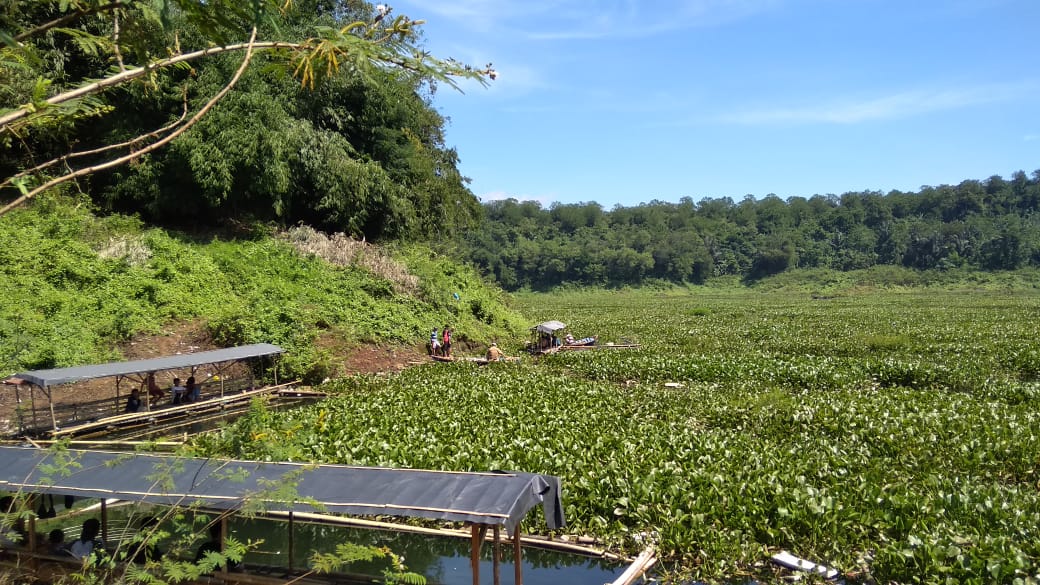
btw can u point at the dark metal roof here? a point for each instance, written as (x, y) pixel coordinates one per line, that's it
(487, 498)
(57, 376)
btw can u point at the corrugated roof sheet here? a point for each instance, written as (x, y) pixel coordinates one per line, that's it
(487, 498)
(56, 376)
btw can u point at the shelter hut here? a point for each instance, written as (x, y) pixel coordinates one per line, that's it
(44, 383)
(483, 500)
(545, 337)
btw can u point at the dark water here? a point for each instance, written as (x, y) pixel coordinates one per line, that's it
(442, 560)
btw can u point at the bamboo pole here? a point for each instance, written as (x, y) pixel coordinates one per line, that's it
(18, 411)
(554, 545)
(118, 380)
(641, 565)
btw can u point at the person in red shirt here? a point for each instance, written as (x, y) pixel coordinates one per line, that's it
(446, 342)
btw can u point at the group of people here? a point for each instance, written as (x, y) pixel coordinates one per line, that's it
(440, 345)
(14, 536)
(190, 391)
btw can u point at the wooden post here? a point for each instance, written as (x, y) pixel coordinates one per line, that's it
(518, 573)
(50, 401)
(292, 547)
(495, 558)
(35, 561)
(104, 521)
(17, 404)
(474, 552)
(118, 380)
(223, 537)
(32, 405)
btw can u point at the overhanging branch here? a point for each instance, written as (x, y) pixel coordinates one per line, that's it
(154, 146)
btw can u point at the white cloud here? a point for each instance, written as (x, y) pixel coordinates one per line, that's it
(542, 200)
(899, 105)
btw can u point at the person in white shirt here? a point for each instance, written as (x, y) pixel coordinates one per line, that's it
(87, 541)
(178, 392)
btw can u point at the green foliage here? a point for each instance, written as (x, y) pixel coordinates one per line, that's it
(76, 286)
(351, 145)
(347, 553)
(991, 227)
(898, 427)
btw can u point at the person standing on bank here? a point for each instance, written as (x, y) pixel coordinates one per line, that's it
(435, 343)
(446, 342)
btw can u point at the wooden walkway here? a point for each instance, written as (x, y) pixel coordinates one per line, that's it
(166, 412)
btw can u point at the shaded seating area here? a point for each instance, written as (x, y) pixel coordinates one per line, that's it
(38, 389)
(482, 500)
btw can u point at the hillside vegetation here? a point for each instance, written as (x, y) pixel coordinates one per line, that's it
(77, 285)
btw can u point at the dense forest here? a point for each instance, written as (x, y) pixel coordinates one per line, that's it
(986, 225)
(342, 136)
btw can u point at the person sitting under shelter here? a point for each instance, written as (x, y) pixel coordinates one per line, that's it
(154, 391)
(144, 548)
(88, 541)
(178, 391)
(12, 528)
(56, 543)
(192, 391)
(133, 403)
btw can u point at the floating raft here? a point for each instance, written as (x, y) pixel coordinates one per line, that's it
(473, 360)
(167, 412)
(603, 346)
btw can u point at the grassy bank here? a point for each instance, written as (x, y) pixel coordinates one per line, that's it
(76, 286)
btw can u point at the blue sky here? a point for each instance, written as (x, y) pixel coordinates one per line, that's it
(622, 102)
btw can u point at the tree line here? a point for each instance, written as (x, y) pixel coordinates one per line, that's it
(992, 224)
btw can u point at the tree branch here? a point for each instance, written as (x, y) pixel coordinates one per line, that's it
(130, 74)
(128, 143)
(154, 146)
(66, 19)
